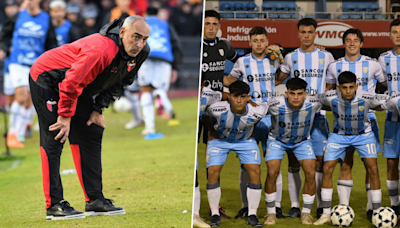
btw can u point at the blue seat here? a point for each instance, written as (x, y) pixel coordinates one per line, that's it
(238, 7)
(310, 16)
(295, 15)
(281, 7)
(355, 16)
(268, 7)
(373, 8)
(251, 6)
(252, 15)
(273, 16)
(343, 16)
(362, 8)
(241, 15)
(225, 7)
(284, 16)
(369, 16)
(227, 15)
(349, 8)
(292, 7)
(379, 16)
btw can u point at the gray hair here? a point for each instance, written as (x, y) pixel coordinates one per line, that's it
(132, 19)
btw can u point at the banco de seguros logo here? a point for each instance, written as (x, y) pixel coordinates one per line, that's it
(330, 33)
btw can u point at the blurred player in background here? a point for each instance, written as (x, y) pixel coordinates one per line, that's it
(368, 73)
(155, 75)
(29, 32)
(66, 31)
(389, 62)
(309, 63)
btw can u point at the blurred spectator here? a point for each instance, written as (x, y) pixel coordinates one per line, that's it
(185, 23)
(45, 5)
(66, 31)
(10, 8)
(139, 6)
(89, 15)
(118, 11)
(73, 14)
(163, 14)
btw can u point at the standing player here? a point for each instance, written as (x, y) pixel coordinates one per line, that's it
(368, 73)
(257, 70)
(63, 82)
(29, 32)
(351, 128)
(309, 63)
(234, 127)
(389, 62)
(215, 51)
(292, 120)
(155, 75)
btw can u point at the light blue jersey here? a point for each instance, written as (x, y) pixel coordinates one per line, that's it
(310, 67)
(232, 126)
(259, 74)
(208, 97)
(351, 117)
(367, 70)
(292, 126)
(62, 33)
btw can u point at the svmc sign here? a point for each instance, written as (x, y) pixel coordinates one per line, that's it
(329, 33)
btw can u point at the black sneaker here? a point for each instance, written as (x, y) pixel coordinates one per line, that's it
(294, 212)
(102, 207)
(369, 215)
(279, 213)
(319, 212)
(63, 210)
(243, 213)
(215, 220)
(221, 212)
(253, 221)
(396, 209)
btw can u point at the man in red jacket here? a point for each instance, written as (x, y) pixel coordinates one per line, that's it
(63, 82)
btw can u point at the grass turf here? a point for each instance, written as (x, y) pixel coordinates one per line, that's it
(151, 179)
(230, 199)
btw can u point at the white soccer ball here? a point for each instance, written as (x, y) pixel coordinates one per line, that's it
(384, 217)
(122, 105)
(342, 215)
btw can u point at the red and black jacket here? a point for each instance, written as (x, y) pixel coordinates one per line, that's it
(96, 64)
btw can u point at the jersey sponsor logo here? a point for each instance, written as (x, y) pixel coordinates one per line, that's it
(221, 51)
(214, 84)
(350, 117)
(333, 146)
(313, 101)
(367, 97)
(361, 108)
(257, 116)
(215, 150)
(214, 66)
(219, 109)
(31, 29)
(389, 142)
(395, 76)
(265, 77)
(274, 104)
(365, 70)
(256, 95)
(274, 144)
(282, 124)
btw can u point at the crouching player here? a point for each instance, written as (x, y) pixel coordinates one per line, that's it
(232, 132)
(351, 128)
(292, 118)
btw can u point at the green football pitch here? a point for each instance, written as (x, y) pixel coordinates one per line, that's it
(151, 179)
(230, 199)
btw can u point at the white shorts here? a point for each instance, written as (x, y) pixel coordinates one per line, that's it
(134, 87)
(19, 75)
(156, 73)
(8, 88)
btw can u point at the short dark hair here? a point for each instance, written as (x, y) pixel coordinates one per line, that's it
(307, 22)
(212, 13)
(257, 31)
(151, 10)
(353, 31)
(395, 22)
(295, 84)
(347, 77)
(239, 88)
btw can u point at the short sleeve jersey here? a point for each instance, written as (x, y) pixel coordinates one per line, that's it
(208, 97)
(232, 126)
(213, 64)
(310, 66)
(292, 126)
(259, 74)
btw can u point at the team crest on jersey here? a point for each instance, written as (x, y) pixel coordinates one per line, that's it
(321, 61)
(365, 70)
(203, 107)
(221, 52)
(361, 108)
(131, 65)
(305, 113)
(49, 105)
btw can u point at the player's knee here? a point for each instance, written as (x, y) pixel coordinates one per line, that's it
(328, 169)
(372, 170)
(273, 174)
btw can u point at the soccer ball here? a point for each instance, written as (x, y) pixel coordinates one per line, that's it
(342, 215)
(384, 217)
(122, 105)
